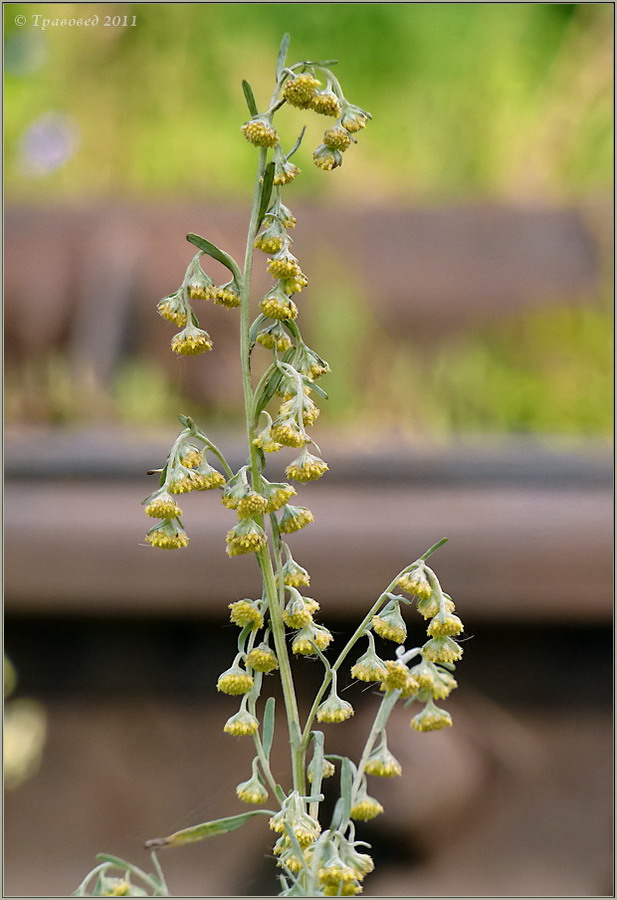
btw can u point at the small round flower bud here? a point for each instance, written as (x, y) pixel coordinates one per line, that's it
(271, 239)
(337, 138)
(260, 132)
(235, 681)
(266, 442)
(243, 723)
(284, 265)
(274, 337)
(362, 863)
(328, 769)
(294, 284)
(252, 791)
(294, 575)
(383, 764)
(354, 119)
(326, 103)
(365, 808)
(252, 504)
(310, 637)
(326, 158)
(191, 457)
(431, 718)
(299, 90)
(389, 624)
(428, 607)
(334, 710)
(205, 478)
(369, 667)
(227, 295)
(163, 506)
(295, 614)
(173, 309)
(190, 341)
(245, 613)
(199, 286)
(245, 537)
(279, 212)
(276, 307)
(444, 624)
(284, 171)
(306, 467)
(262, 659)
(442, 650)
(346, 889)
(167, 536)
(294, 518)
(396, 677)
(335, 871)
(416, 582)
(277, 494)
(287, 433)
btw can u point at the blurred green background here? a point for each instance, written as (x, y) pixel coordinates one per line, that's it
(473, 103)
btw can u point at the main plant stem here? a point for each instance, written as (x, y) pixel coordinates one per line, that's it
(265, 561)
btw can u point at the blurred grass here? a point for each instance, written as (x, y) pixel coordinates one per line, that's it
(473, 102)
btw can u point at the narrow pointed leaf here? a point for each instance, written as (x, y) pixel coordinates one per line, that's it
(297, 144)
(215, 252)
(266, 191)
(205, 830)
(257, 325)
(282, 55)
(163, 476)
(250, 98)
(268, 726)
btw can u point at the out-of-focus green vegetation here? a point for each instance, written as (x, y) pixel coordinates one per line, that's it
(473, 102)
(481, 100)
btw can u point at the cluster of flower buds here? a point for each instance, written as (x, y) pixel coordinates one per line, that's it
(177, 308)
(342, 867)
(186, 469)
(298, 832)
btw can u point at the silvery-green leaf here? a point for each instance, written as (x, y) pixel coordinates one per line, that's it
(250, 98)
(282, 55)
(206, 830)
(266, 192)
(215, 252)
(268, 725)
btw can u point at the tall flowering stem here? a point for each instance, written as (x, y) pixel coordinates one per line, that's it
(315, 857)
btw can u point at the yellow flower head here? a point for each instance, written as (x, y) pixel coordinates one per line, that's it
(442, 650)
(243, 723)
(205, 478)
(299, 90)
(354, 119)
(431, 718)
(335, 871)
(274, 337)
(326, 103)
(260, 132)
(326, 158)
(245, 613)
(271, 239)
(334, 710)
(245, 537)
(310, 637)
(277, 307)
(294, 518)
(444, 624)
(306, 467)
(251, 504)
(389, 624)
(190, 341)
(294, 575)
(337, 138)
(397, 678)
(285, 431)
(235, 681)
(328, 769)
(262, 659)
(369, 667)
(295, 614)
(383, 764)
(191, 457)
(277, 494)
(173, 308)
(433, 681)
(294, 284)
(167, 536)
(252, 791)
(416, 582)
(163, 506)
(365, 808)
(284, 171)
(346, 889)
(284, 265)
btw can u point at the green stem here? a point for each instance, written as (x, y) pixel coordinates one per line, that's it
(265, 562)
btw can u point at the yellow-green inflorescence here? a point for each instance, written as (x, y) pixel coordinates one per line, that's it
(281, 410)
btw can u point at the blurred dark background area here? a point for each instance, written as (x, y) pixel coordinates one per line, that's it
(460, 286)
